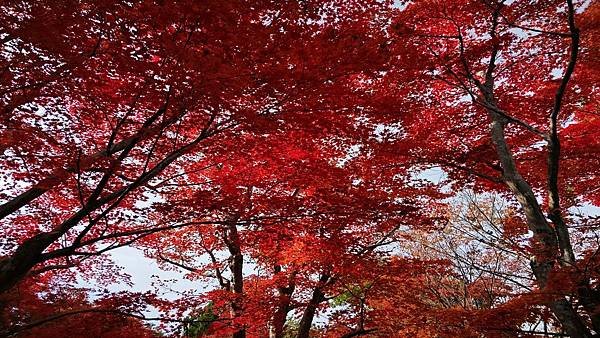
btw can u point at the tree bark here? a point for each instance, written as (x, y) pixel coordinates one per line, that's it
(544, 238)
(311, 308)
(232, 240)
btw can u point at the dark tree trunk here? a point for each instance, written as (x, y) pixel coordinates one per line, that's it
(311, 308)
(232, 240)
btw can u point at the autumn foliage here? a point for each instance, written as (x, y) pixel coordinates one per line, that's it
(314, 168)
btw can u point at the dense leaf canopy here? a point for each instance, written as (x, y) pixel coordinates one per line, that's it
(315, 168)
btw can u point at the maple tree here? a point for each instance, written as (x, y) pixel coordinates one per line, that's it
(280, 154)
(500, 120)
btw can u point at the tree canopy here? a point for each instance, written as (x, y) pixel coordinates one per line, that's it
(315, 168)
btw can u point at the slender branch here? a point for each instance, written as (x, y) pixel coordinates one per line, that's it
(553, 145)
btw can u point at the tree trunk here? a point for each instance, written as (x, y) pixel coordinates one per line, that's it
(545, 246)
(14, 268)
(311, 308)
(232, 240)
